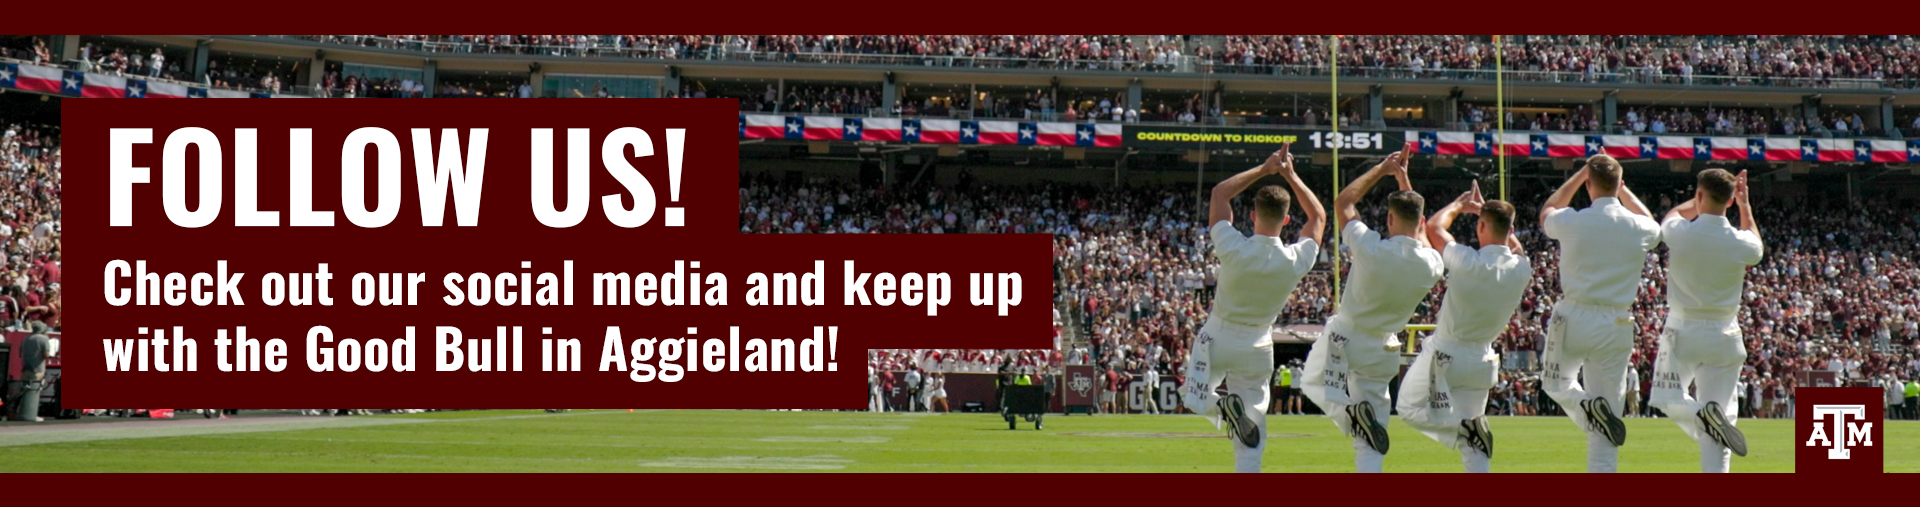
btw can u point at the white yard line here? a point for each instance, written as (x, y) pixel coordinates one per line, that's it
(88, 432)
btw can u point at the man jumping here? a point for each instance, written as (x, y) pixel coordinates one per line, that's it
(1444, 393)
(1348, 368)
(1603, 250)
(1235, 346)
(1702, 344)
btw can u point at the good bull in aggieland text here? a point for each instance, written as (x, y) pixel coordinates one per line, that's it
(644, 359)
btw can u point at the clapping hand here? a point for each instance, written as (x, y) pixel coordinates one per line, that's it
(1471, 201)
(1280, 162)
(1740, 190)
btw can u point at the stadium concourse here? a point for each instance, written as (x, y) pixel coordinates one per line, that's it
(1838, 290)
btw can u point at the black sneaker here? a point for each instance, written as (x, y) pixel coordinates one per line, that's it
(1600, 417)
(1234, 413)
(1722, 430)
(1368, 428)
(1479, 435)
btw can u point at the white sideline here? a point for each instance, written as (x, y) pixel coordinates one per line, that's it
(88, 432)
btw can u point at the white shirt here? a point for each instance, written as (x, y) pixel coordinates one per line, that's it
(1484, 286)
(1257, 274)
(1602, 251)
(1708, 261)
(1390, 277)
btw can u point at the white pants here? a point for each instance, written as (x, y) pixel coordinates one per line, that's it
(1706, 354)
(1240, 357)
(1447, 384)
(874, 402)
(1343, 371)
(1595, 343)
(1150, 396)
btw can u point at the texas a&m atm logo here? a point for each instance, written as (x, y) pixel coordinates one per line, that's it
(1837, 429)
(1855, 433)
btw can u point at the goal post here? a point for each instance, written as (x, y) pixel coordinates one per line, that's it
(1410, 343)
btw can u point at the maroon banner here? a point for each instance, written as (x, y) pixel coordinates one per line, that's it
(1839, 431)
(1080, 386)
(203, 220)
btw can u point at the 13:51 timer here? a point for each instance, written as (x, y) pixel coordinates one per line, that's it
(1347, 141)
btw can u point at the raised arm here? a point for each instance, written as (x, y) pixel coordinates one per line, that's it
(1406, 157)
(1563, 197)
(1316, 224)
(1220, 205)
(1345, 205)
(1632, 202)
(1468, 202)
(1686, 211)
(1746, 210)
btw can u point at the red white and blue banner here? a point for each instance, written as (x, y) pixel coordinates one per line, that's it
(996, 132)
(824, 128)
(1514, 144)
(102, 86)
(938, 132)
(1893, 150)
(929, 131)
(34, 78)
(1669, 147)
(1104, 135)
(768, 126)
(1055, 134)
(1450, 143)
(1773, 148)
(57, 81)
(874, 129)
(156, 90)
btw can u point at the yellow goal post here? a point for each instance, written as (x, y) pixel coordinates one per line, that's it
(1410, 343)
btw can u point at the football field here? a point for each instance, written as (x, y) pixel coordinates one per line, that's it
(761, 441)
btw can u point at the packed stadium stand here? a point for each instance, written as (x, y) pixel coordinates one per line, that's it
(1109, 142)
(29, 213)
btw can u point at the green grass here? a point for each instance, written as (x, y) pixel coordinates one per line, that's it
(714, 440)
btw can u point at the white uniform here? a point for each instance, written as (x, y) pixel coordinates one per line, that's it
(913, 390)
(1360, 354)
(1603, 249)
(1449, 381)
(1235, 346)
(874, 404)
(928, 385)
(1150, 394)
(1702, 344)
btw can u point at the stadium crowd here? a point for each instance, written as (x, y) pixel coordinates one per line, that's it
(1756, 59)
(1838, 290)
(29, 225)
(1794, 60)
(223, 71)
(1648, 120)
(1120, 52)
